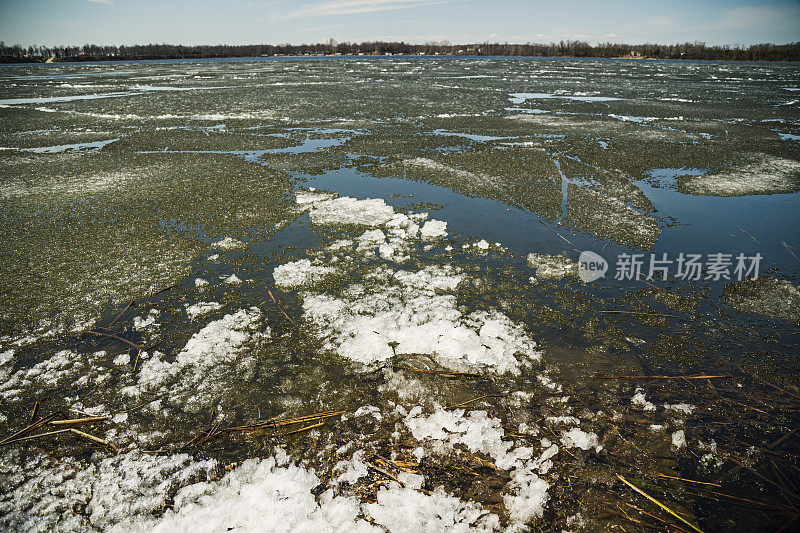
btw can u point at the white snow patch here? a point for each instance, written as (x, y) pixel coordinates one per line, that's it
(372, 212)
(352, 470)
(404, 510)
(140, 323)
(564, 420)
(41, 493)
(526, 494)
(256, 495)
(416, 319)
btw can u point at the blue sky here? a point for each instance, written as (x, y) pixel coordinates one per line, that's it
(296, 21)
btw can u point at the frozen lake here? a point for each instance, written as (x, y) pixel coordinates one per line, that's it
(195, 251)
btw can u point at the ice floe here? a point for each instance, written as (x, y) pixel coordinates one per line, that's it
(201, 308)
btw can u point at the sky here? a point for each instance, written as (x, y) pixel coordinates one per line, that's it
(117, 22)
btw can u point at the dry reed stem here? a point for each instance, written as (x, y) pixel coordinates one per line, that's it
(472, 400)
(304, 429)
(79, 421)
(28, 429)
(289, 421)
(91, 437)
(663, 377)
(279, 307)
(440, 372)
(661, 505)
(117, 337)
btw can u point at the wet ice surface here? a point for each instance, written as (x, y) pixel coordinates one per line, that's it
(196, 250)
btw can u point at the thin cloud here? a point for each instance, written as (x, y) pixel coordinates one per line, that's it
(354, 7)
(320, 28)
(754, 16)
(104, 2)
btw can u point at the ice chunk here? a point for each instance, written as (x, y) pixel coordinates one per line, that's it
(684, 408)
(679, 439)
(372, 212)
(639, 400)
(577, 438)
(433, 229)
(201, 308)
(233, 279)
(564, 420)
(140, 323)
(300, 273)
(370, 239)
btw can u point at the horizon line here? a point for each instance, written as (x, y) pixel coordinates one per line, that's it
(442, 43)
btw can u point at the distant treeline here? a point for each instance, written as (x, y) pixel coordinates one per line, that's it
(695, 51)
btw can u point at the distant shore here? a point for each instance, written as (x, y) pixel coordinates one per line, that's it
(696, 51)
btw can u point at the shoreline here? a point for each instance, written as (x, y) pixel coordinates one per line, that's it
(53, 60)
